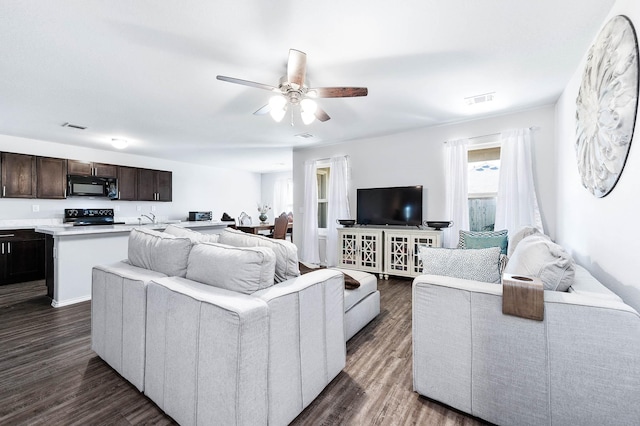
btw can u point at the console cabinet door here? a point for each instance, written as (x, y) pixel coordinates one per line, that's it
(402, 251)
(360, 249)
(18, 175)
(52, 177)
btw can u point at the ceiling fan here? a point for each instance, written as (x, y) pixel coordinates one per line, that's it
(292, 91)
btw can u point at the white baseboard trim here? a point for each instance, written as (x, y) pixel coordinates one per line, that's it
(59, 304)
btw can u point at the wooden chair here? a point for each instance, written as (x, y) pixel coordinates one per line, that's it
(280, 227)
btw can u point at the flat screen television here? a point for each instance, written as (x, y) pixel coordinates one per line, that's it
(400, 205)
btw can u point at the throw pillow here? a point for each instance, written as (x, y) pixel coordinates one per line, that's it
(159, 252)
(464, 235)
(523, 232)
(241, 269)
(470, 264)
(286, 252)
(536, 255)
(195, 237)
(486, 241)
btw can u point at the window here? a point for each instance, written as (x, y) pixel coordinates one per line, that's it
(322, 174)
(483, 174)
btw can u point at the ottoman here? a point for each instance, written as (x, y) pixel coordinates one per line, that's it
(362, 304)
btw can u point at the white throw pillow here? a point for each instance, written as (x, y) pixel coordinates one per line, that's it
(194, 236)
(242, 269)
(286, 252)
(538, 256)
(519, 235)
(159, 252)
(470, 264)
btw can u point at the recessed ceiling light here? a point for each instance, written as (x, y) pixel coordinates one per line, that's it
(119, 143)
(478, 99)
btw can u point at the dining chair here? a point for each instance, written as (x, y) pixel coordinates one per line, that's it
(280, 227)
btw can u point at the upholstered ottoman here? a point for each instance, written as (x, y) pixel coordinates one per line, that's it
(362, 304)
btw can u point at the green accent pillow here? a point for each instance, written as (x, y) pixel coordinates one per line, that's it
(486, 241)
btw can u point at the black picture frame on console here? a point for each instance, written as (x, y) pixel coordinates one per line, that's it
(400, 205)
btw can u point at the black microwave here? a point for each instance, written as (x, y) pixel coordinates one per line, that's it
(92, 186)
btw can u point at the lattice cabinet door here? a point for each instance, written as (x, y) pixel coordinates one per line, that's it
(416, 242)
(397, 254)
(370, 251)
(347, 249)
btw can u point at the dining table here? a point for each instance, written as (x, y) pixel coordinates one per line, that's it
(259, 228)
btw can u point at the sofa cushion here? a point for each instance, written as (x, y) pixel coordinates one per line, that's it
(241, 269)
(586, 284)
(368, 284)
(286, 252)
(494, 237)
(194, 236)
(536, 255)
(471, 264)
(159, 252)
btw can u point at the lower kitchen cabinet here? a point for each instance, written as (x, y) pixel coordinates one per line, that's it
(21, 256)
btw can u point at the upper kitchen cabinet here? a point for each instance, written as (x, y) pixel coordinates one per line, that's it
(154, 185)
(87, 168)
(52, 177)
(127, 183)
(18, 175)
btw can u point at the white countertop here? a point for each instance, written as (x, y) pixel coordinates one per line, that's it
(70, 230)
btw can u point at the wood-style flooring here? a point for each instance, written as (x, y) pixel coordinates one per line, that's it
(49, 374)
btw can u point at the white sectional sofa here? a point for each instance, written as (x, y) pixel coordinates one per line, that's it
(579, 366)
(222, 329)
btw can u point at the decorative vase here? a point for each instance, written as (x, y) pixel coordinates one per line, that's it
(263, 218)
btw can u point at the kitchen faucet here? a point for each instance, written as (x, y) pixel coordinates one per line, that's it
(152, 218)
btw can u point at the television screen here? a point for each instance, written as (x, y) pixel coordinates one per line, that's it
(390, 206)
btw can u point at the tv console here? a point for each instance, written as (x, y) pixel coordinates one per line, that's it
(384, 251)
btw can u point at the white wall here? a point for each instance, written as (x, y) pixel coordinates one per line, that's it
(600, 233)
(417, 158)
(194, 187)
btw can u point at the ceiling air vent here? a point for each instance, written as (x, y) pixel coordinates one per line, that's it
(478, 99)
(74, 126)
(304, 135)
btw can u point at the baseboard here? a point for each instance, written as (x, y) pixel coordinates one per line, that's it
(59, 304)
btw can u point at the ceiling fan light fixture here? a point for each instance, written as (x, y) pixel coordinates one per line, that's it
(308, 111)
(278, 106)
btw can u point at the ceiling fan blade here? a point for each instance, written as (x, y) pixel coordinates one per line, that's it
(337, 92)
(321, 115)
(264, 110)
(296, 67)
(248, 83)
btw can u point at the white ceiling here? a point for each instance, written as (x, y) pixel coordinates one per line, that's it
(145, 70)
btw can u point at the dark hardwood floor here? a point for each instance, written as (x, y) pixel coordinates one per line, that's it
(49, 374)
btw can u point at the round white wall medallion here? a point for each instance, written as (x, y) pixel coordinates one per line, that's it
(607, 105)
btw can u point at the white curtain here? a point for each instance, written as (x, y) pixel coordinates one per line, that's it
(517, 205)
(338, 205)
(456, 153)
(309, 251)
(282, 196)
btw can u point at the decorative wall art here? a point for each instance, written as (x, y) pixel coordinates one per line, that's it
(606, 106)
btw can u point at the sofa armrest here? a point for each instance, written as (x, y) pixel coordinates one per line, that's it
(306, 340)
(118, 306)
(572, 367)
(207, 353)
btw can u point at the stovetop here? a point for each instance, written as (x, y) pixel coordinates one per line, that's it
(88, 217)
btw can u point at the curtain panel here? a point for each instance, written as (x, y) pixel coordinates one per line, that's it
(456, 164)
(517, 204)
(338, 205)
(309, 251)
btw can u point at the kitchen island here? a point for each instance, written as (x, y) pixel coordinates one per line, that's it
(72, 252)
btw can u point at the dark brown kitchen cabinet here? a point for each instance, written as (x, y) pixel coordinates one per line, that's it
(87, 168)
(52, 177)
(21, 256)
(18, 175)
(128, 183)
(154, 185)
